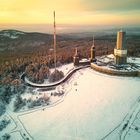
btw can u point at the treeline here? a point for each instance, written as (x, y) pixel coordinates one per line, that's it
(36, 63)
(42, 60)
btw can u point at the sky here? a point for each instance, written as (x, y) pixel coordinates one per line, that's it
(30, 14)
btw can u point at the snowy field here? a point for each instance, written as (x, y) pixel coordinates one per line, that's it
(93, 106)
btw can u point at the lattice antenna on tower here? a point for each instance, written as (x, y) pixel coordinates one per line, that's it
(93, 40)
(54, 41)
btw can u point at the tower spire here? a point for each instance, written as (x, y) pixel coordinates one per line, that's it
(93, 57)
(76, 51)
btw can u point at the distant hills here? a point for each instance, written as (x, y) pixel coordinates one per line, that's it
(14, 40)
(19, 41)
(12, 34)
(103, 32)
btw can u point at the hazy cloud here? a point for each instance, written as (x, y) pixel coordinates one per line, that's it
(112, 5)
(70, 12)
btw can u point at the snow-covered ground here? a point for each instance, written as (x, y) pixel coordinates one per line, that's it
(107, 62)
(133, 60)
(64, 68)
(94, 105)
(13, 34)
(108, 58)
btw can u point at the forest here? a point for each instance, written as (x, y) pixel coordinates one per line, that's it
(36, 63)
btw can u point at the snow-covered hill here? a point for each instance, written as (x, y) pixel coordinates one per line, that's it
(95, 106)
(12, 34)
(22, 41)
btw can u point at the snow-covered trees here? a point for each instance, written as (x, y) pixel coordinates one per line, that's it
(5, 94)
(37, 73)
(38, 102)
(3, 124)
(19, 103)
(2, 109)
(56, 76)
(6, 91)
(5, 137)
(17, 87)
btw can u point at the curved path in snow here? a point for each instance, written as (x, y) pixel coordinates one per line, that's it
(67, 76)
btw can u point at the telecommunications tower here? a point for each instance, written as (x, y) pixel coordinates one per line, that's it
(54, 37)
(120, 51)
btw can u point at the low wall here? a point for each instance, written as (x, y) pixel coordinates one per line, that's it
(84, 63)
(67, 76)
(114, 72)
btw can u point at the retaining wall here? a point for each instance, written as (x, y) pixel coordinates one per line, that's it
(114, 72)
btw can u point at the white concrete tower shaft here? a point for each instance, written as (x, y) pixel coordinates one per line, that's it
(120, 51)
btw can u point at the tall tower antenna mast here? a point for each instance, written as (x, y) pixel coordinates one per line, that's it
(93, 40)
(54, 41)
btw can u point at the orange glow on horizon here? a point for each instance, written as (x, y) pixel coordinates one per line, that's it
(67, 12)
